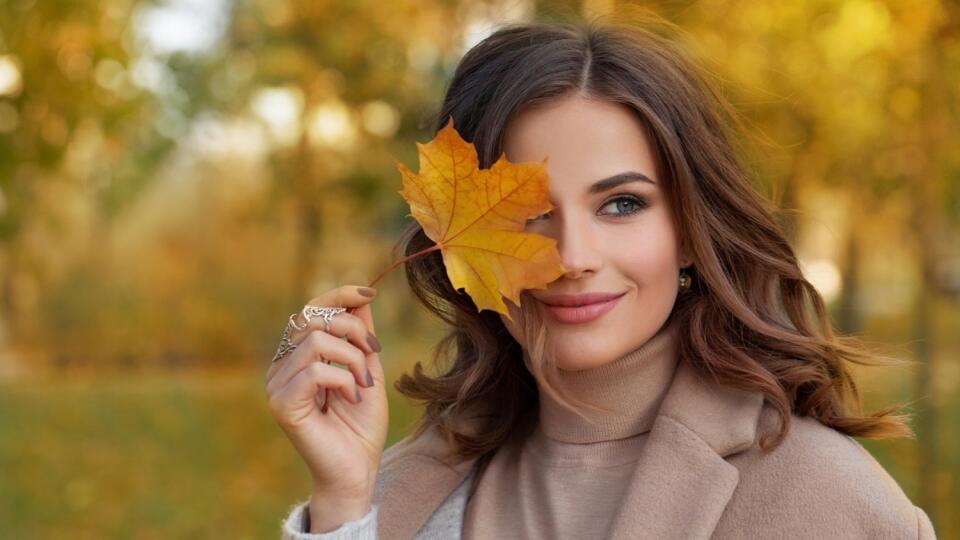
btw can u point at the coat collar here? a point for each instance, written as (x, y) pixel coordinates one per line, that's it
(680, 486)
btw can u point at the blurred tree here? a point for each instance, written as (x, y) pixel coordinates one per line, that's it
(78, 136)
(334, 81)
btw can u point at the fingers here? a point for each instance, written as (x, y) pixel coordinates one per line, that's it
(305, 385)
(315, 346)
(365, 314)
(342, 324)
(348, 296)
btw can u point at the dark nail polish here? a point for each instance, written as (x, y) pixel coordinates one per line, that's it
(367, 291)
(374, 344)
(359, 399)
(369, 378)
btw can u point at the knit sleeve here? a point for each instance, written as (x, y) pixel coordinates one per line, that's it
(924, 526)
(297, 523)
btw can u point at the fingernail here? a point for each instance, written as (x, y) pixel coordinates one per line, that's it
(367, 291)
(359, 399)
(374, 344)
(369, 378)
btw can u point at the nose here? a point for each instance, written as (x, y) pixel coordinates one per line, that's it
(579, 248)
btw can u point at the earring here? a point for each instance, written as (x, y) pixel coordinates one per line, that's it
(685, 280)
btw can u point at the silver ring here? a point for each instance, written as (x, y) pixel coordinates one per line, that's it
(309, 312)
(294, 323)
(286, 345)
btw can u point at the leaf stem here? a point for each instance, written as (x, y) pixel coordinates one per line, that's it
(435, 247)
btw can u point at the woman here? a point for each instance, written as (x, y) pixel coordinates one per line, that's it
(692, 394)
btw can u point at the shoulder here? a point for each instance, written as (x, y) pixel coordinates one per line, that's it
(421, 463)
(430, 445)
(417, 486)
(830, 476)
(413, 452)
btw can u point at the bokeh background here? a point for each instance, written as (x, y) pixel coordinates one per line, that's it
(176, 177)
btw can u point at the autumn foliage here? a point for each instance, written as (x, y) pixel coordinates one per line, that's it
(476, 218)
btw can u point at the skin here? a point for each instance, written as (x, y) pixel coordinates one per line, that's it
(603, 246)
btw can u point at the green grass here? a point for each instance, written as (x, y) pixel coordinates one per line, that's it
(160, 458)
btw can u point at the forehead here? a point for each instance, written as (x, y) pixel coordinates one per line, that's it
(582, 139)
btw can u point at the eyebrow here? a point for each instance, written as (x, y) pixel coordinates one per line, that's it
(619, 179)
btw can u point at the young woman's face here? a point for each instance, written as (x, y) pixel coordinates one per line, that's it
(615, 237)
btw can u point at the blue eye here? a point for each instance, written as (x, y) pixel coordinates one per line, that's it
(632, 205)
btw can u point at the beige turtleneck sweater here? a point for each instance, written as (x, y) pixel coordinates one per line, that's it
(566, 478)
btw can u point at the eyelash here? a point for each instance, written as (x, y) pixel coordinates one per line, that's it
(638, 201)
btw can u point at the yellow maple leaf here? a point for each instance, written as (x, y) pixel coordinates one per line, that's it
(476, 218)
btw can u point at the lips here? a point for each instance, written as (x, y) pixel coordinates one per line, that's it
(572, 309)
(575, 300)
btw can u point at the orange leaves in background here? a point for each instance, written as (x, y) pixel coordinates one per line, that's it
(476, 218)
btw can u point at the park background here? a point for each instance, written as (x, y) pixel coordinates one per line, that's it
(176, 177)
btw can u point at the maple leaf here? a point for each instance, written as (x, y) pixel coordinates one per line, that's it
(476, 218)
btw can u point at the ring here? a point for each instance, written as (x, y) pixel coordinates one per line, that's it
(327, 313)
(309, 312)
(286, 345)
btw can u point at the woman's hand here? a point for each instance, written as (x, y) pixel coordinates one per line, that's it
(341, 447)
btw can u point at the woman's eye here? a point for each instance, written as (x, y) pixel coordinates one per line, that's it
(626, 205)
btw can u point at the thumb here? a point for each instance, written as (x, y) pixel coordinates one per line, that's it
(366, 315)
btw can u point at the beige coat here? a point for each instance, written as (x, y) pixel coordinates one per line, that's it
(700, 475)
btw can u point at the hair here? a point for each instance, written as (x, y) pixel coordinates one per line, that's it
(750, 320)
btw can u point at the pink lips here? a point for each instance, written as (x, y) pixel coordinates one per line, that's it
(572, 313)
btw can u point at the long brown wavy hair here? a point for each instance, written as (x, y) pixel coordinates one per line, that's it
(750, 320)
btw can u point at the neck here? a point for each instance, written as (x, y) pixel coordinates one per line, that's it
(630, 388)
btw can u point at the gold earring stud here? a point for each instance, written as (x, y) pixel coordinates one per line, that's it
(685, 280)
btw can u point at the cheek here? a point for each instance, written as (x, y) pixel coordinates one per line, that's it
(652, 268)
(652, 257)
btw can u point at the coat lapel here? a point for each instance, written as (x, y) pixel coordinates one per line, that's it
(680, 486)
(682, 483)
(415, 476)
